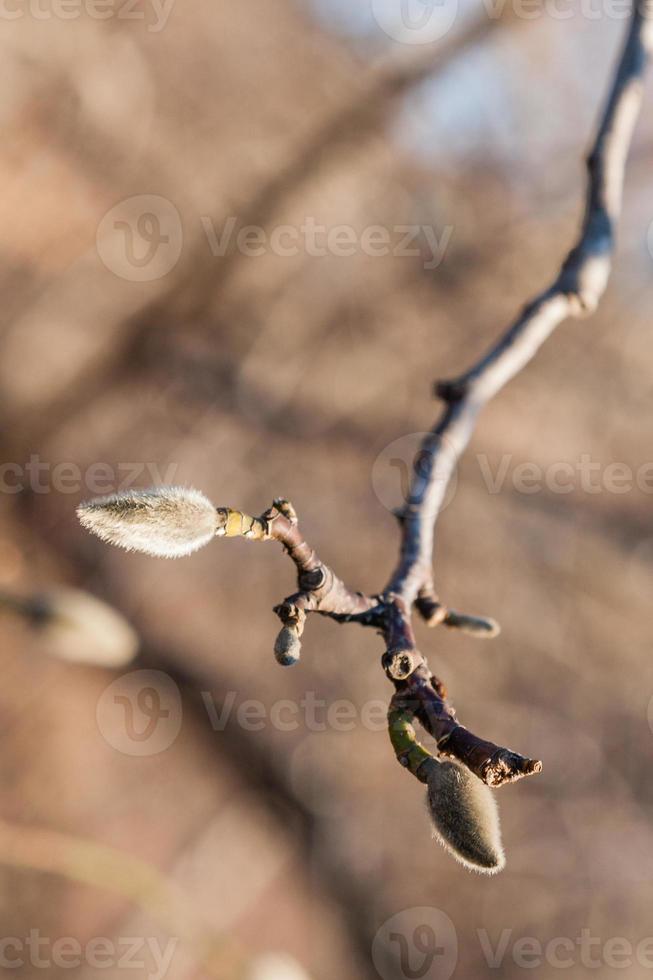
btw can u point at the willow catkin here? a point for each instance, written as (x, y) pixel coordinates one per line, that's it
(465, 817)
(164, 521)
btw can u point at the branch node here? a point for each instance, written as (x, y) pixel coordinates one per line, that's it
(399, 664)
(451, 390)
(431, 610)
(313, 580)
(286, 508)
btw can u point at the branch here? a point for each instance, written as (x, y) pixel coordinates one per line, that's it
(173, 521)
(575, 292)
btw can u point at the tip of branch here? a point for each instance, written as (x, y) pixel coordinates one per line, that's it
(507, 767)
(399, 664)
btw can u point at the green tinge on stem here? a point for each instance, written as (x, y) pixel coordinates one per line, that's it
(410, 753)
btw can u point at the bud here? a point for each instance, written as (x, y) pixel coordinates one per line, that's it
(480, 626)
(465, 817)
(164, 521)
(287, 647)
(75, 626)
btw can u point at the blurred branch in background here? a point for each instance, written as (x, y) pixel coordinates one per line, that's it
(201, 277)
(73, 625)
(90, 863)
(254, 761)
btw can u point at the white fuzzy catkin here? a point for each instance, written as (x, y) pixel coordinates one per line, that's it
(465, 817)
(164, 521)
(76, 626)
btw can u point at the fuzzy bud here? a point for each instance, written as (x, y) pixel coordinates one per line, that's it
(75, 626)
(164, 521)
(287, 647)
(465, 816)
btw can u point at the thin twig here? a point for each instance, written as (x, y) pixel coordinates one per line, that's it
(575, 292)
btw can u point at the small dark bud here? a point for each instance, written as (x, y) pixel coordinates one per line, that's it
(287, 647)
(450, 390)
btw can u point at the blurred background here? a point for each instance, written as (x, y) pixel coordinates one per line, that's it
(239, 243)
